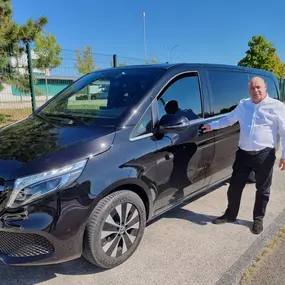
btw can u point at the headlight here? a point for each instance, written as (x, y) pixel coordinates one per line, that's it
(30, 188)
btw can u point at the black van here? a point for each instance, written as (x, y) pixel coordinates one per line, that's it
(84, 173)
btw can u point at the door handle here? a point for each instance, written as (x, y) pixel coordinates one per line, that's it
(200, 130)
(169, 156)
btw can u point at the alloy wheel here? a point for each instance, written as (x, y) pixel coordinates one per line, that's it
(120, 230)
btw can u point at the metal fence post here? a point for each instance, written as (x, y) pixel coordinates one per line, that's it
(282, 89)
(114, 60)
(31, 77)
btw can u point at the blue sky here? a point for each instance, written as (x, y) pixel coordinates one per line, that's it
(206, 31)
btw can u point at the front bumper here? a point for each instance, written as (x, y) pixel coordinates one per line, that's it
(47, 231)
(37, 248)
(18, 247)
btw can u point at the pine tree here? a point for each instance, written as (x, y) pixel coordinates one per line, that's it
(13, 40)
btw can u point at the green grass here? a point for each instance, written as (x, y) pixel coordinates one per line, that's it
(84, 106)
(4, 118)
(12, 115)
(246, 277)
(87, 104)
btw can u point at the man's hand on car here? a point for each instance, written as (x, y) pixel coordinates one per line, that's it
(282, 164)
(206, 128)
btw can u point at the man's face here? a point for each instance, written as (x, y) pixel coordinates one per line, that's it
(257, 89)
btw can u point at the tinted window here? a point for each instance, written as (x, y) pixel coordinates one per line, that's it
(143, 127)
(104, 95)
(271, 88)
(182, 97)
(228, 88)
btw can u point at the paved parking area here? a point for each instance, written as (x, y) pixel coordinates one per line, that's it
(182, 247)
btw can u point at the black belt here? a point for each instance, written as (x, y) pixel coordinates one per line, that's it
(256, 152)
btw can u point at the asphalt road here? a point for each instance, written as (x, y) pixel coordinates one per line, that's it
(182, 247)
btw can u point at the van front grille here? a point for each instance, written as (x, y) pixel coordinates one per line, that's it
(24, 245)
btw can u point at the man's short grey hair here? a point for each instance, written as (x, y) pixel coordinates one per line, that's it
(257, 77)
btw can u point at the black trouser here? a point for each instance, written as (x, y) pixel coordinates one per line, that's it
(262, 163)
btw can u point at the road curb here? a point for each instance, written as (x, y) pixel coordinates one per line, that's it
(233, 275)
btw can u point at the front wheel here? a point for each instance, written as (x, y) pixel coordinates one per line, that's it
(115, 229)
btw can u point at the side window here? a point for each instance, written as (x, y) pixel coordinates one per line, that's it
(228, 88)
(271, 88)
(144, 125)
(182, 97)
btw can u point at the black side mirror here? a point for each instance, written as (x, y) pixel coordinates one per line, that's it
(172, 123)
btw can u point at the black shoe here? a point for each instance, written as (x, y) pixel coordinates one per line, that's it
(223, 219)
(257, 227)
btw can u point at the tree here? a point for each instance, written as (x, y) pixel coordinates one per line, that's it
(13, 39)
(118, 64)
(262, 54)
(122, 64)
(153, 60)
(85, 64)
(278, 67)
(47, 53)
(8, 37)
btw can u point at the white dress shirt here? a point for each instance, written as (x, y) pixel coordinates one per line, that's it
(259, 123)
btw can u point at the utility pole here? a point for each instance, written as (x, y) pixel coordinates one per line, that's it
(144, 36)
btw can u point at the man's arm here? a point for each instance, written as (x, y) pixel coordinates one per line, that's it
(281, 130)
(228, 120)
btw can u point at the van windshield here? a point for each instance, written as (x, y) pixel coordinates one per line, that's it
(103, 95)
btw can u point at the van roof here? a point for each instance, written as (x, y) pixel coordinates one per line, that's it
(201, 65)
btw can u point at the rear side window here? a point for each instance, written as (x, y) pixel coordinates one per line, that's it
(227, 89)
(271, 88)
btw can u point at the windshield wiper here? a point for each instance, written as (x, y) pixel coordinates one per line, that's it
(44, 119)
(66, 116)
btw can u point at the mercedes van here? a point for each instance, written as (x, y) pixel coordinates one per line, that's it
(118, 147)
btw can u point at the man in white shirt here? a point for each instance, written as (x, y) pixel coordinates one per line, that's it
(261, 118)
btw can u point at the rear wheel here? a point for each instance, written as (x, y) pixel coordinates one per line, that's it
(115, 229)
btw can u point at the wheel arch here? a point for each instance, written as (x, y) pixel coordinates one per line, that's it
(135, 185)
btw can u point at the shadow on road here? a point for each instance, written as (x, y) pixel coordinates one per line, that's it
(30, 275)
(197, 218)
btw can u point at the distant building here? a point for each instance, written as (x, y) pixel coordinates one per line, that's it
(55, 84)
(21, 64)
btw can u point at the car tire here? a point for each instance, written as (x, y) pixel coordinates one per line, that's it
(251, 177)
(114, 229)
